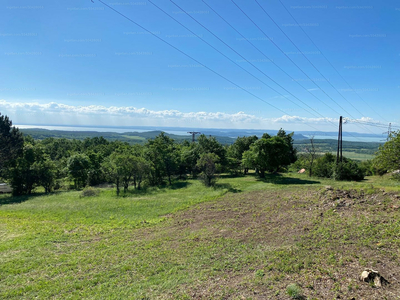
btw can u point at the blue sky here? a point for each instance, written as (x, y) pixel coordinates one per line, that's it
(78, 62)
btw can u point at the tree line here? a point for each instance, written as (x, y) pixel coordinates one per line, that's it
(54, 163)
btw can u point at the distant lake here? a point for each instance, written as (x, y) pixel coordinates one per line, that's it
(352, 139)
(99, 129)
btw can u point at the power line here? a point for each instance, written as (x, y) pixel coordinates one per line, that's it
(236, 53)
(254, 66)
(379, 125)
(208, 68)
(187, 55)
(302, 29)
(263, 82)
(311, 63)
(272, 62)
(292, 61)
(302, 53)
(247, 60)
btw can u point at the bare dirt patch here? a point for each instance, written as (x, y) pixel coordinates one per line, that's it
(320, 239)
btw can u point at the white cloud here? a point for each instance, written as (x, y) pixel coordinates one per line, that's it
(97, 115)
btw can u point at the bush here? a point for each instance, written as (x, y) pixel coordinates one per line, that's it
(367, 167)
(294, 291)
(348, 170)
(396, 176)
(90, 192)
(324, 165)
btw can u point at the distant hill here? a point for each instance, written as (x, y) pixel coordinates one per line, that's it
(129, 137)
(225, 137)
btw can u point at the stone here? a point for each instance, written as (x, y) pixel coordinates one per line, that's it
(371, 276)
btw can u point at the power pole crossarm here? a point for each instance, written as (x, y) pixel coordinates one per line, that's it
(193, 133)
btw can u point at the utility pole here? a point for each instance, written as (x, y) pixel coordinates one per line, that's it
(193, 133)
(389, 132)
(339, 156)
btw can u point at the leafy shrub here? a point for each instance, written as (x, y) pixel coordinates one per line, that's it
(324, 165)
(348, 170)
(294, 291)
(367, 167)
(90, 192)
(396, 176)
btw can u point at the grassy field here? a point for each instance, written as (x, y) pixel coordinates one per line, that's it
(245, 239)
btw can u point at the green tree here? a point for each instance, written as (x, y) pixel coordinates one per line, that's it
(114, 169)
(164, 156)
(189, 155)
(292, 153)
(268, 155)
(22, 175)
(78, 166)
(211, 145)
(11, 143)
(388, 155)
(324, 166)
(33, 168)
(236, 150)
(206, 164)
(95, 174)
(141, 171)
(45, 174)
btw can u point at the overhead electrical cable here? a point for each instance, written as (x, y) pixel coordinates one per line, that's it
(263, 82)
(302, 53)
(297, 66)
(210, 69)
(323, 55)
(195, 60)
(194, 19)
(259, 50)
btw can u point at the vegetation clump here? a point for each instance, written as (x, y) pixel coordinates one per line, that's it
(294, 291)
(89, 192)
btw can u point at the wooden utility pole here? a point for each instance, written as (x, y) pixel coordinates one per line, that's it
(339, 156)
(193, 133)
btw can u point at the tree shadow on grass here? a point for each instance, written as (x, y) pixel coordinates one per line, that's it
(179, 185)
(10, 199)
(231, 175)
(227, 186)
(279, 179)
(149, 190)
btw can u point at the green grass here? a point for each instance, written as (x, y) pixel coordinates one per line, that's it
(358, 156)
(245, 237)
(107, 210)
(132, 137)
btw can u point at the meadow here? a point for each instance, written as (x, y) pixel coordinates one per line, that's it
(244, 239)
